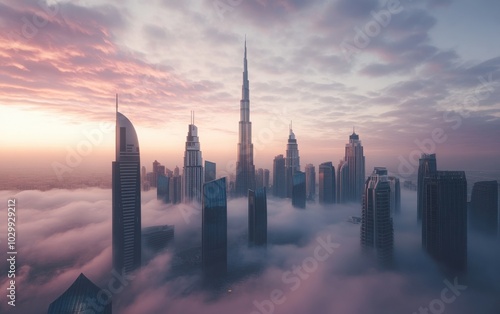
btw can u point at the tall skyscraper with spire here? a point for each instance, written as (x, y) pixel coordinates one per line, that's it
(192, 176)
(245, 169)
(292, 161)
(351, 190)
(126, 197)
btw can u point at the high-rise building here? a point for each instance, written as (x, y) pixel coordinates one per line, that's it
(342, 182)
(126, 198)
(259, 178)
(175, 187)
(214, 227)
(395, 195)
(426, 165)
(352, 189)
(299, 189)
(292, 162)
(257, 217)
(310, 182)
(279, 183)
(484, 208)
(157, 238)
(162, 189)
(444, 218)
(327, 191)
(192, 176)
(266, 178)
(154, 180)
(245, 169)
(210, 171)
(376, 222)
(82, 297)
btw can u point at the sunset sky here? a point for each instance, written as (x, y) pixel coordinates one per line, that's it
(424, 65)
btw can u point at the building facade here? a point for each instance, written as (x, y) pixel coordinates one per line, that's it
(292, 162)
(377, 231)
(126, 198)
(327, 191)
(257, 217)
(214, 227)
(444, 218)
(279, 181)
(427, 165)
(192, 177)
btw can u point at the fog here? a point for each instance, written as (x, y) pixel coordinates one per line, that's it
(62, 233)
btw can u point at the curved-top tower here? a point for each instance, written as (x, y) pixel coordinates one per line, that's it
(245, 169)
(126, 190)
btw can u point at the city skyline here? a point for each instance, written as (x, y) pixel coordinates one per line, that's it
(246, 212)
(377, 98)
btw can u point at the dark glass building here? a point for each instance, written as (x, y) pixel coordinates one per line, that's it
(279, 183)
(156, 238)
(245, 169)
(310, 171)
(484, 208)
(162, 189)
(426, 166)
(299, 190)
(210, 171)
(257, 217)
(327, 191)
(352, 174)
(126, 198)
(444, 218)
(83, 296)
(377, 230)
(395, 195)
(214, 227)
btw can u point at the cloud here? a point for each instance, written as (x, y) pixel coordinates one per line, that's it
(63, 233)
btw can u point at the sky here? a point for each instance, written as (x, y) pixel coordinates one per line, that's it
(410, 76)
(55, 246)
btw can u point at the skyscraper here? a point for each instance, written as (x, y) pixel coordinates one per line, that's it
(192, 177)
(259, 178)
(175, 187)
(426, 166)
(310, 182)
(210, 171)
(395, 195)
(245, 169)
(266, 178)
(376, 222)
(444, 218)
(279, 181)
(214, 227)
(257, 217)
(484, 208)
(82, 297)
(342, 182)
(292, 161)
(162, 190)
(327, 189)
(352, 189)
(126, 199)
(299, 189)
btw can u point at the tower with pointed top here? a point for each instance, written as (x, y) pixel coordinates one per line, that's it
(351, 171)
(126, 197)
(192, 176)
(245, 169)
(292, 161)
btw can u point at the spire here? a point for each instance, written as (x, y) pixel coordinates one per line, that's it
(245, 90)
